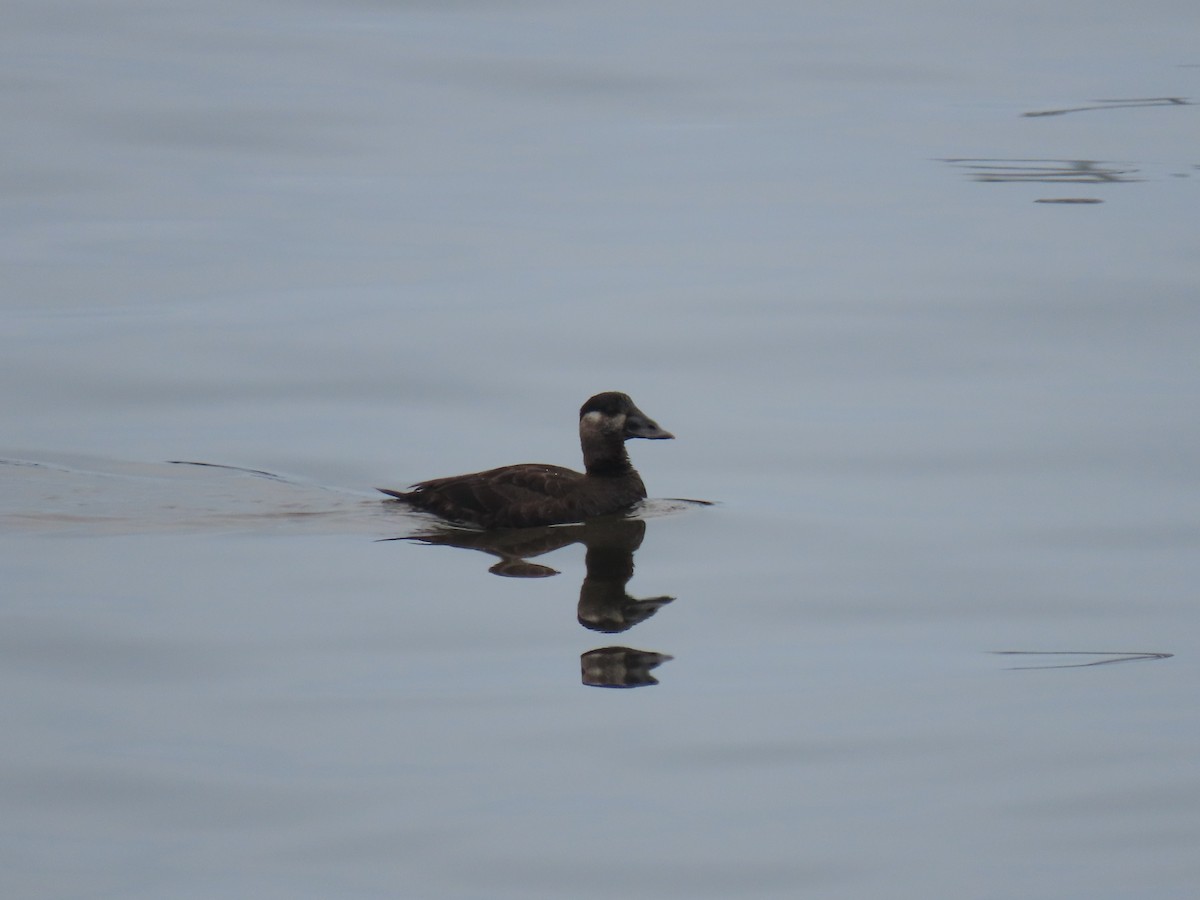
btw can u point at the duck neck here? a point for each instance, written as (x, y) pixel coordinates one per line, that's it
(604, 455)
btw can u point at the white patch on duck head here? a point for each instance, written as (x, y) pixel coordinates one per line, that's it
(596, 421)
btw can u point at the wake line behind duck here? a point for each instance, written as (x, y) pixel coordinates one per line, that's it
(533, 494)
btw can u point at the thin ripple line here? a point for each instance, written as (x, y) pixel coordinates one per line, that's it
(1117, 656)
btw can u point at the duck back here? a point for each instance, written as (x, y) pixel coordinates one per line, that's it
(524, 496)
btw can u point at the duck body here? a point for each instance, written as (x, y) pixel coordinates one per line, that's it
(535, 494)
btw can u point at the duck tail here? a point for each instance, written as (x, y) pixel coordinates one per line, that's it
(399, 495)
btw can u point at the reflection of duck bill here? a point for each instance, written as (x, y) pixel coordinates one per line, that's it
(620, 667)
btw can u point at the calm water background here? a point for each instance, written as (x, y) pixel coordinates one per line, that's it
(358, 244)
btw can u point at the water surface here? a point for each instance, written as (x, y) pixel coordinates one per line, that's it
(937, 635)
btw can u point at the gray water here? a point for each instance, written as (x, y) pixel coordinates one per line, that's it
(936, 637)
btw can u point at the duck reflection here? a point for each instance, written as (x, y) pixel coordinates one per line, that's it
(619, 667)
(604, 603)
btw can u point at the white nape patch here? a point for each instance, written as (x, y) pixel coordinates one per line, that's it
(598, 421)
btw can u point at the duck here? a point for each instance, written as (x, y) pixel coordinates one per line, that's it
(532, 495)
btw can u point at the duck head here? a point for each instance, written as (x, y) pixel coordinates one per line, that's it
(613, 413)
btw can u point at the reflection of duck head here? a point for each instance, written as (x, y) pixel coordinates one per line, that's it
(619, 667)
(604, 604)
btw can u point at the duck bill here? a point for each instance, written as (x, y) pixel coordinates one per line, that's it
(640, 425)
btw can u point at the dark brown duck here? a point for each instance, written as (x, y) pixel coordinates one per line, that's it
(534, 494)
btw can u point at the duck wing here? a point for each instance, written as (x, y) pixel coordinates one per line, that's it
(508, 497)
